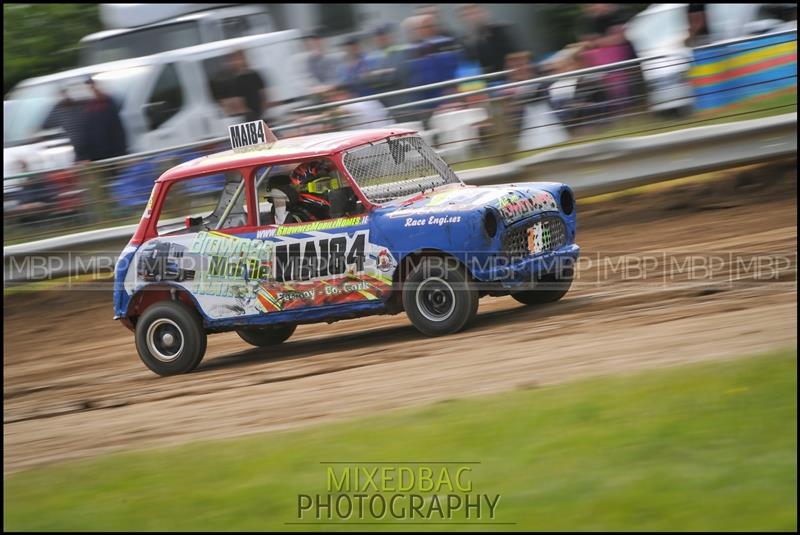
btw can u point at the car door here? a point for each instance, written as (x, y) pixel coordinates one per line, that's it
(323, 263)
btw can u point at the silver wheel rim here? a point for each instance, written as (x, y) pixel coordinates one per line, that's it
(436, 299)
(165, 340)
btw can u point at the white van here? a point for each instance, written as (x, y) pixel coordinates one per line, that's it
(166, 99)
(137, 30)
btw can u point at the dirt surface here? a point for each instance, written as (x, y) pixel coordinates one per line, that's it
(74, 387)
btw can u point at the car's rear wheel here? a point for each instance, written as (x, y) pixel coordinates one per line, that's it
(548, 289)
(269, 335)
(438, 297)
(170, 338)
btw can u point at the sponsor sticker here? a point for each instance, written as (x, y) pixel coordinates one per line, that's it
(432, 221)
(535, 241)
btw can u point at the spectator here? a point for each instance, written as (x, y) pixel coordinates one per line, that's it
(318, 62)
(485, 42)
(531, 119)
(247, 90)
(353, 69)
(431, 58)
(698, 27)
(358, 115)
(603, 25)
(604, 35)
(578, 100)
(67, 115)
(439, 27)
(518, 98)
(385, 66)
(101, 130)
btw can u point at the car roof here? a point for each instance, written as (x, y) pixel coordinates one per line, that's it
(282, 151)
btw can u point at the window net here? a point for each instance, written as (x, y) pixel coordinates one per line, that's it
(397, 168)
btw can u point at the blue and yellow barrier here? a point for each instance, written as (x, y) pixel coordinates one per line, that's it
(727, 74)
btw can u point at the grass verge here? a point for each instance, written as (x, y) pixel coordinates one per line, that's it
(700, 447)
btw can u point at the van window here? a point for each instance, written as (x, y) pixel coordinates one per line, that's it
(166, 99)
(235, 27)
(337, 18)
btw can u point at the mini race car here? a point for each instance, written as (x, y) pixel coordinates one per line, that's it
(328, 227)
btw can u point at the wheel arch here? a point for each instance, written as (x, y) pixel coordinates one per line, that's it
(151, 294)
(407, 263)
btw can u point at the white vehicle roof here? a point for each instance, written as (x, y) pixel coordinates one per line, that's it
(165, 57)
(132, 15)
(32, 99)
(134, 27)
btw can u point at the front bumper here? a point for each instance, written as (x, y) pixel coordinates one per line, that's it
(509, 273)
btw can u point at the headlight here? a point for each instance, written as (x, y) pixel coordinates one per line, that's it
(567, 201)
(490, 223)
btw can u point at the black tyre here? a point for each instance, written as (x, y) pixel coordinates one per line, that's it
(438, 297)
(269, 335)
(549, 289)
(170, 338)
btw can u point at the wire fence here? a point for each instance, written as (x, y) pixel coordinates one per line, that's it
(474, 128)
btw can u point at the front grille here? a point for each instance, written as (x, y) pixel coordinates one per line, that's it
(553, 235)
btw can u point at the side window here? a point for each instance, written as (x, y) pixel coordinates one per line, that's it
(337, 18)
(235, 27)
(166, 99)
(215, 202)
(311, 190)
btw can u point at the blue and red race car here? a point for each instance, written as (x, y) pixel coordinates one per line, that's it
(328, 227)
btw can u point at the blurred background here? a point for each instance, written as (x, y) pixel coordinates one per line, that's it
(95, 111)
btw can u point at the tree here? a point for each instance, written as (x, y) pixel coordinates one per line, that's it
(41, 39)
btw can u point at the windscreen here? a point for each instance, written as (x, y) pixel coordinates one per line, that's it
(397, 168)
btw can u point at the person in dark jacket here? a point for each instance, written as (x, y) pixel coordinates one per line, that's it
(486, 42)
(103, 135)
(68, 115)
(247, 90)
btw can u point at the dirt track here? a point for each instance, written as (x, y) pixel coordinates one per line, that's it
(73, 385)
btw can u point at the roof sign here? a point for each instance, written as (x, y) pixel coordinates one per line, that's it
(254, 133)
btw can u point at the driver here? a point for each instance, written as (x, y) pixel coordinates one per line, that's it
(322, 194)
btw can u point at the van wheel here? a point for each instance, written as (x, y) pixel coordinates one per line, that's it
(170, 338)
(270, 335)
(551, 289)
(438, 297)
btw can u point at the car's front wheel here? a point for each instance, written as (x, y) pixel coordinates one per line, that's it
(170, 338)
(269, 335)
(438, 297)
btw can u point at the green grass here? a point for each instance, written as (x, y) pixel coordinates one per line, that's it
(700, 447)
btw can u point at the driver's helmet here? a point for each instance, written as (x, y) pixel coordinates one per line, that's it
(312, 180)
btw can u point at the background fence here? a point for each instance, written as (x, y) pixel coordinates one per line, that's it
(509, 120)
